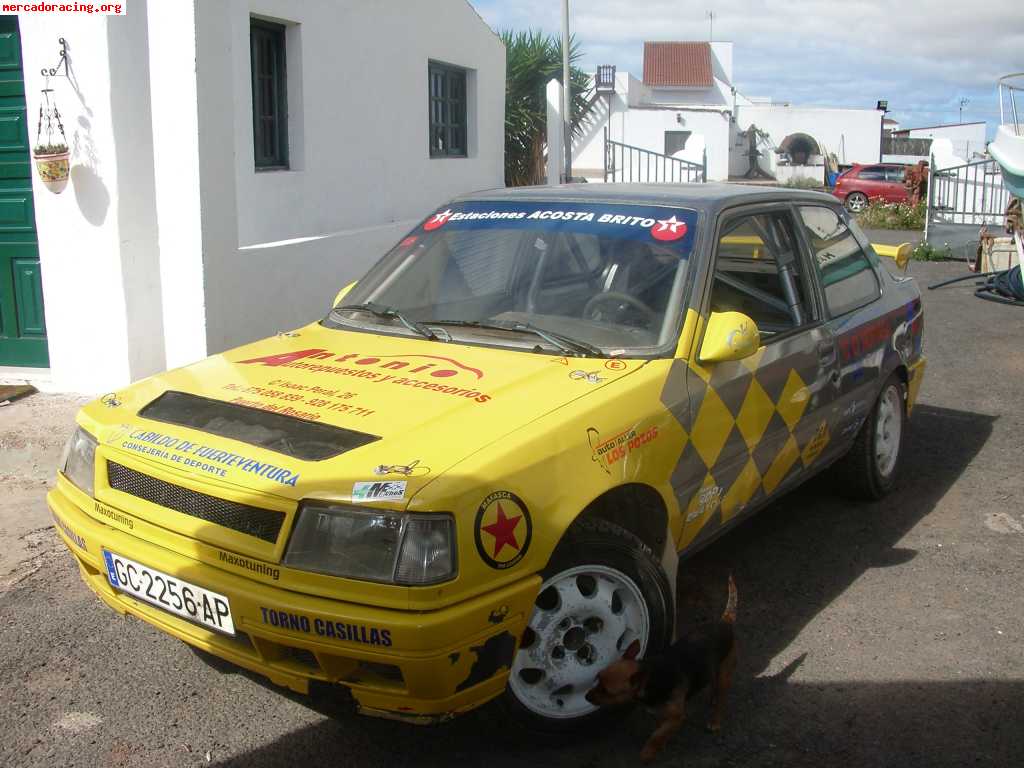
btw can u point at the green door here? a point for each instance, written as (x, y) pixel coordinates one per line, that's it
(22, 325)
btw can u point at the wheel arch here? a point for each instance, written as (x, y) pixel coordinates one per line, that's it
(636, 507)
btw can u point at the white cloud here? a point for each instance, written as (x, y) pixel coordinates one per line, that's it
(919, 55)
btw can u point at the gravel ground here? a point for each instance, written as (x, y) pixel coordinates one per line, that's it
(884, 634)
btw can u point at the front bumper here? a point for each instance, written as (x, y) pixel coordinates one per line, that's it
(425, 666)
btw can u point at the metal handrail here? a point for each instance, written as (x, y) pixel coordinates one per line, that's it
(666, 169)
(1003, 84)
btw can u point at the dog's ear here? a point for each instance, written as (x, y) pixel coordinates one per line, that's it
(633, 650)
(638, 680)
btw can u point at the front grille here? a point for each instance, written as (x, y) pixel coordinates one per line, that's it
(262, 523)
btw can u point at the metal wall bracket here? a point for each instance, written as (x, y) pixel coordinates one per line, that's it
(61, 62)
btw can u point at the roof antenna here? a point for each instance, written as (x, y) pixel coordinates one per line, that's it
(711, 20)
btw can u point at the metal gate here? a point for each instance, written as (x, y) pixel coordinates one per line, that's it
(626, 163)
(961, 200)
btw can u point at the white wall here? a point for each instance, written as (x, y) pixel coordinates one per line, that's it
(966, 138)
(645, 126)
(167, 245)
(358, 126)
(853, 135)
(97, 239)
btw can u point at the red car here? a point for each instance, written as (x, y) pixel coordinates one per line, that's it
(882, 181)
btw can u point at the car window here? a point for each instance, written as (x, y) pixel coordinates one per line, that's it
(758, 273)
(846, 271)
(895, 174)
(872, 173)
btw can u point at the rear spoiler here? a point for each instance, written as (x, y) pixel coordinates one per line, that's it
(898, 253)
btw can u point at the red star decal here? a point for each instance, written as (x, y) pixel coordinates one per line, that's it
(668, 229)
(503, 530)
(438, 220)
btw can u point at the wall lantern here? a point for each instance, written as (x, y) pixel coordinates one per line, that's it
(51, 155)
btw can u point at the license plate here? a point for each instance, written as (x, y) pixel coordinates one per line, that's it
(174, 595)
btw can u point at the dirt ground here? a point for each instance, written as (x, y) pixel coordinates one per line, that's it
(885, 634)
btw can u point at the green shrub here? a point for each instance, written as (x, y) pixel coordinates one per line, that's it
(882, 215)
(804, 184)
(925, 251)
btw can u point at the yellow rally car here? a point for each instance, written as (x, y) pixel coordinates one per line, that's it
(474, 478)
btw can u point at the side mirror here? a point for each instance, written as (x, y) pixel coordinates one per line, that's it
(342, 293)
(729, 336)
(898, 253)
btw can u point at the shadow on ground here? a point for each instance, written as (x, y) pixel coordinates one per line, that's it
(791, 562)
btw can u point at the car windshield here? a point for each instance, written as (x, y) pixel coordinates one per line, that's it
(571, 278)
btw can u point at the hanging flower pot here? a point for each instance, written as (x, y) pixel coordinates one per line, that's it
(53, 166)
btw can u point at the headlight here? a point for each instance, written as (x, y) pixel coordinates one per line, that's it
(80, 460)
(373, 545)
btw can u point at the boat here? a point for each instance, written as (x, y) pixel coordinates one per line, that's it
(1007, 149)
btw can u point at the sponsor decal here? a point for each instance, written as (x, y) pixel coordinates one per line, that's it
(668, 229)
(256, 566)
(202, 457)
(590, 377)
(70, 532)
(708, 499)
(444, 375)
(329, 628)
(437, 220)
(615, 365)
(816, 444)
(379, 490)
(633, 221)
(610, 451)
(110, 400)
(113, 515)
(503, 530)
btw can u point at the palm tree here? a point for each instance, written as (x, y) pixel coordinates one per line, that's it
(532, 59)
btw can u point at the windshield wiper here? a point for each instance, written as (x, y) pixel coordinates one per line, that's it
(389, 313)
(565, 344)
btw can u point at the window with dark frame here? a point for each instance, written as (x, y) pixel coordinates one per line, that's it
(269, 94)
(447, 102)
(846, 271)
(675, 141)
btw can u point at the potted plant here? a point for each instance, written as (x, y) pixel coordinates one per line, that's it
(52, 165)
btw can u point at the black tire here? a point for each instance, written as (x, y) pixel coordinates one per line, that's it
(595, 542)
(856, 202)
(859, 473)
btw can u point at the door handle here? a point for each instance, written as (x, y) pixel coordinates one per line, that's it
(827, 352)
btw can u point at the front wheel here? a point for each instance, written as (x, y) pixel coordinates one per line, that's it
(602, 590)
(856, 202)
(870, 469)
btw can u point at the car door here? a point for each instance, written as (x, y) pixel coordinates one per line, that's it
(872, 181)
(756, 425)
(851, 289)
(895, 191)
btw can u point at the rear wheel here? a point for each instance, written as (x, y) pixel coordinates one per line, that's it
(856, 202)
(870, 469)
(602, 590)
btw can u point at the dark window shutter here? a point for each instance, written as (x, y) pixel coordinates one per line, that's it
(269, 94)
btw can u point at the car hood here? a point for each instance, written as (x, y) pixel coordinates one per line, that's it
(415, 408)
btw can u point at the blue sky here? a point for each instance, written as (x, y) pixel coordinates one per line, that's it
(921, 56)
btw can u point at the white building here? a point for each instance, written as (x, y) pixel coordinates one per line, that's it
(966, 142)
(208, 205)
(686, 103)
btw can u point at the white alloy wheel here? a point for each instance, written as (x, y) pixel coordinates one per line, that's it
(584, 618)
(888, 430)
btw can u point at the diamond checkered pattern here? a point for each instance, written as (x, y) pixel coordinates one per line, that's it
(745, 430)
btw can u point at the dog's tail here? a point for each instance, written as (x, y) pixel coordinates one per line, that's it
(729, 614)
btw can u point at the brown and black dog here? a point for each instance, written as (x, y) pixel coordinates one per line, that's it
(705, 657)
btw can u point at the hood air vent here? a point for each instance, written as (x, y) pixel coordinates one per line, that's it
(298, 438)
